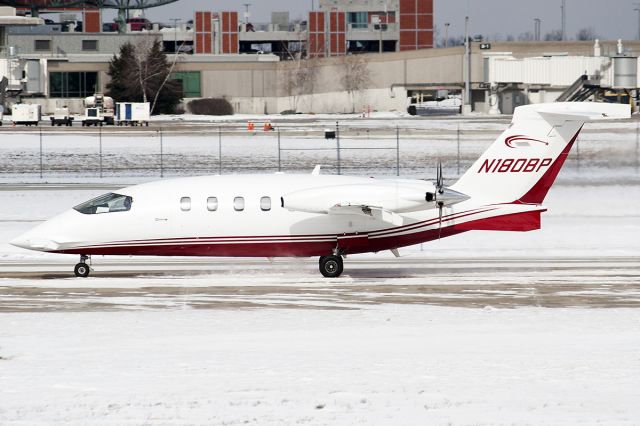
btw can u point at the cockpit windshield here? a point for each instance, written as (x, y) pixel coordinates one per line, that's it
(107, 203)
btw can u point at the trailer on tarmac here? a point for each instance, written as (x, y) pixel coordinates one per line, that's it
(27, 114)
(133, 113)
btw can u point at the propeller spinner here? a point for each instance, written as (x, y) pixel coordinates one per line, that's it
(443, 196)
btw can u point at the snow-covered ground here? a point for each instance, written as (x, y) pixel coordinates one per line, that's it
(481, 328)
(382, 365)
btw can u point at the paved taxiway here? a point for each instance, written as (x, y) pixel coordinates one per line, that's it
(132, 284)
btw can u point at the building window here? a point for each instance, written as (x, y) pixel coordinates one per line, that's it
(265, 204)
(190, 82)
(90, 45)
(212, 204)
(72, 84)
(358, 19)
(42, 45)
(238, 204)
(185, 204)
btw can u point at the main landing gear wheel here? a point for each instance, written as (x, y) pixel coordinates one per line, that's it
(82, 270)
(331, 266)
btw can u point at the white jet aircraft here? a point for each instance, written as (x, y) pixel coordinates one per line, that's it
(327, 216)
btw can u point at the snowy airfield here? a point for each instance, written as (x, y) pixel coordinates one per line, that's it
(480, 328)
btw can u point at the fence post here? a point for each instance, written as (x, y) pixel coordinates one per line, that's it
(637, 145)
(338, 146)
(458, 138)
(41, 153)
(100, 142)
(279, 152)
(397, 150)
(161, 155)
(220, 150)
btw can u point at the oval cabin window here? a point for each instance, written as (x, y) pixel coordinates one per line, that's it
(185, 204)
(238, 204)
(265, 204)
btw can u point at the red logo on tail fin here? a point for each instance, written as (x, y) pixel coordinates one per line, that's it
(511, 139)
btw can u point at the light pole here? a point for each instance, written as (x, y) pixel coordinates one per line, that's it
(175, 34)
(563, 10)
(637, 9)
(536, 29)
(246, 13)
(467, 68)
(446, 34)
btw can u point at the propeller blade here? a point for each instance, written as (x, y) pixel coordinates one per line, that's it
(439, 178)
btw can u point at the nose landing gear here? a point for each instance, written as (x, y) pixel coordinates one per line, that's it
(82, 270)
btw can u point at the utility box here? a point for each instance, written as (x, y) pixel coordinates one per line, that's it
(26, 114)
(133, 113)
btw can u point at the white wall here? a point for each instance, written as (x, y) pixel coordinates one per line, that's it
(325, 103)
(553, 71)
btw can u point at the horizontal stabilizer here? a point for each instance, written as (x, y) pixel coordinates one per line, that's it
(560, 112)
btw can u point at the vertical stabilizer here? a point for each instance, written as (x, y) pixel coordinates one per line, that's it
(522, 164)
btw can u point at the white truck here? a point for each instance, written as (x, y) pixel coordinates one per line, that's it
(61, 117)
(98, 110)
(133, 113)
(27, 114)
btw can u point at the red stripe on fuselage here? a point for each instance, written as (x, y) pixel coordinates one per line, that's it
(351, 244)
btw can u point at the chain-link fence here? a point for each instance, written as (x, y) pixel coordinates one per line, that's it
(376, 150)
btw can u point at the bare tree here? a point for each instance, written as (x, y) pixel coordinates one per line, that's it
(355, 75)
(587, 34)
(526, 36)
(300, 78)
(555, 35)
(153, 72)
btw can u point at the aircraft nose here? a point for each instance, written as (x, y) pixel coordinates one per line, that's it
(30, 242)
(21, 241)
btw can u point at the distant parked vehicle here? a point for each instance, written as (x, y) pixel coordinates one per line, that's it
(110, 27)
(133, 113)
(99, 110)
(27, 114)
(139, 24)
(61, 117)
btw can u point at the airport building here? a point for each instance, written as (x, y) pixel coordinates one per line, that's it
(389, 43)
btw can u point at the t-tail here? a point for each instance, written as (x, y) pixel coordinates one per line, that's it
(522, 164)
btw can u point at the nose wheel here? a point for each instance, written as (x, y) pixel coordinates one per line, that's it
(331, 266)
(82, 270)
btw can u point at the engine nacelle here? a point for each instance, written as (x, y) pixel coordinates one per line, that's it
(397, 197)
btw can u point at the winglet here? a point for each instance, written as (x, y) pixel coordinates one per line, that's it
(316, 170)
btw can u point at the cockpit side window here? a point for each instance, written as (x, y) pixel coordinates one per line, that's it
(107, 203)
